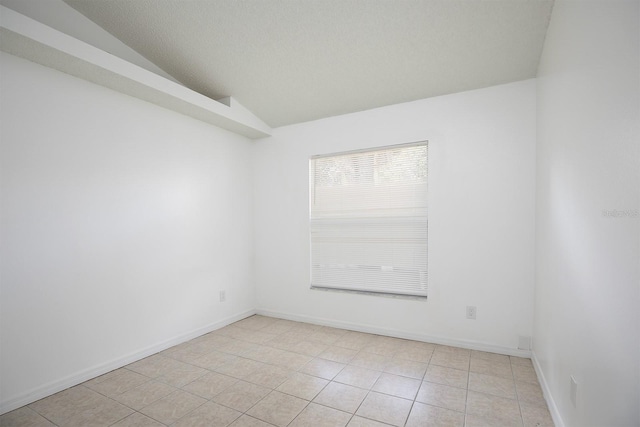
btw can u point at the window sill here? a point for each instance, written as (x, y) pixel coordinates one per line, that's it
(375, 294)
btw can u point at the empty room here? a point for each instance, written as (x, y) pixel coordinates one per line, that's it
(258, 213)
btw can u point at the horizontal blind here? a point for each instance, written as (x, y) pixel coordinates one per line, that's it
(368, 220)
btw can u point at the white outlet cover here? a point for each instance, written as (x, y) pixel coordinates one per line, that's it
(471, 312)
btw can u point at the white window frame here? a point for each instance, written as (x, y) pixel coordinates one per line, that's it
(372, 237)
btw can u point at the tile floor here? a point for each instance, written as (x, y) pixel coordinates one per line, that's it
(262, 372)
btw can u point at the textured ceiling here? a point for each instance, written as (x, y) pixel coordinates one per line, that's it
(290, 61)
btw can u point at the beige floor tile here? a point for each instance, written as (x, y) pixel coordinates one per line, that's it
(406, 368)
(157, 365)
(338, 354)
(105, 413)
(354, 340)
(307, 328)
(383, 349)
(269, 376)
(450, 359)
(525, 361)
(241, 396)
(243, 334)
(432, 416)
(331, 330)
(398, 386)
(447, 376)
(138, 420)
(183, 375)
(416, 351)
(322, 368)
(387, 409)
(524, 373)
(264, 353)
(210, 385)
(452, 350)
(325, 336)
(105, 377)
(472, 420)
(255, 322)
(119, 384)
(390, 341)
(238, 347)
(62, 406)
(308, 348)
(240, 368)
(214, 359)
(530, 393)
(320, 416)
(293, 361)
(365, 422)
(491, 367)
(173, 407)
(288, 339)
(211, 341)
(443, 396)
(175, 348)
(188, 354)
(376, 362)
(418, 345)
(278, 357)
(535, 415)
(145, 394)
(488, 407)
(341, 396)
(278, 408)
(154, 366)
(358, 377)
(258, 337)
(210, 414)
(475, 354)
(492, 385)
(247, 421)
(279, 326)
(282, 342)
(226, 331)
(24, 417)
(303, 386)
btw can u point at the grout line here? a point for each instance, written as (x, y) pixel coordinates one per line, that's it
(466, 400)
(515, 389)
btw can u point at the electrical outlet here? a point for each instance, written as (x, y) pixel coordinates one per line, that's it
(574, 391)
(223, 296)
(471, 312)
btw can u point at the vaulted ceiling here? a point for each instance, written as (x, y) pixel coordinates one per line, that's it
(290, 61)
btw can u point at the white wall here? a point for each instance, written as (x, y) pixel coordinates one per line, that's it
(587, 272)
(481, 217)
(121, 221)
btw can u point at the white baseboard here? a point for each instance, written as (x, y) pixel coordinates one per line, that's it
(546, 391)
(397, 333)
(95, 371)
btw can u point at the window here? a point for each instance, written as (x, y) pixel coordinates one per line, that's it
(368, 220)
